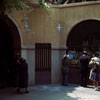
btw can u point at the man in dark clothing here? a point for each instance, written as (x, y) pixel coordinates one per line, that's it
(65, 69)
(84, 61)
(21, 74)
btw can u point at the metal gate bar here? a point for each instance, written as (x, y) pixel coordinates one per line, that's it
(42, 57)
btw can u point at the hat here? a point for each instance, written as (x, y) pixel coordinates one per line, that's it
(96, 54)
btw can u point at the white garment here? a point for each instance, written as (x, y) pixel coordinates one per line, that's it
(95, 60)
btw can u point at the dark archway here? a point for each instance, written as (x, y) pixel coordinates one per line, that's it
(10, 44)
(85, 35)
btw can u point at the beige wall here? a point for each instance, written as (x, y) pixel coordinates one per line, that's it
(74, 14)
(43, 29)
(43, 23)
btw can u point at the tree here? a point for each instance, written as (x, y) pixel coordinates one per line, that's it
(12, 4)
(18, 4)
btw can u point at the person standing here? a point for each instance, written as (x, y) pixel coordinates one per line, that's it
(84, 61)
(95, 70)
(21, 73)
(65, 69)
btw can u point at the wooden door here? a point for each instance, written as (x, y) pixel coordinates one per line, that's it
(42, 63)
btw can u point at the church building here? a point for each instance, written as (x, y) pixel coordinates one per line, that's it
(43, 36)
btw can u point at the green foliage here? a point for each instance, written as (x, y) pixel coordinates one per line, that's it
(19, 5)
(13, 4)
(44, 4)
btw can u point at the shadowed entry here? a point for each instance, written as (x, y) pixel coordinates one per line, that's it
(42, 63)
(6, 52)
(85, 36)
(8, 49)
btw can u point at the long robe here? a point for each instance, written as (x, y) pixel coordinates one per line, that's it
(22, 74)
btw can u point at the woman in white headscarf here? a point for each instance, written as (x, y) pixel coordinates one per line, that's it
(95, 70)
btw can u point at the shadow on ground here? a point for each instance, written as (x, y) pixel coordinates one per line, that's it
(41, 92)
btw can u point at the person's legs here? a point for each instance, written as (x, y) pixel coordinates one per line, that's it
(85, 79)
(26, 90)
(63, 78)
(82, 80)
(96, 84)
(66, 79)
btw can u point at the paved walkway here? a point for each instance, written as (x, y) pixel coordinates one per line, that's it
(52, 92)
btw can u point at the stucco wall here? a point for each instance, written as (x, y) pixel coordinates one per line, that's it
(74, 14)
(43, 29)
(43, 23)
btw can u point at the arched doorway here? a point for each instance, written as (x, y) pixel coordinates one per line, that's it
(83, 36)
(10, 44)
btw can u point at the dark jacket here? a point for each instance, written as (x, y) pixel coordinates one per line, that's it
(84, 61)
(22, 74)
(65, 65)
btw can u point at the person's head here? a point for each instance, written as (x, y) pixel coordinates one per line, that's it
(18, 56)
(96, 54)
(85, 52)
